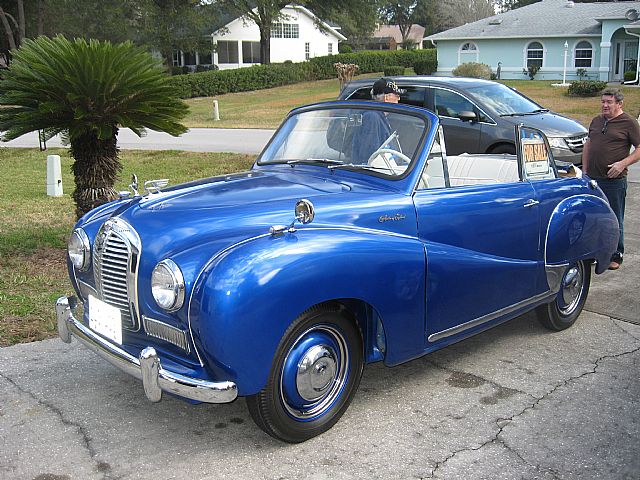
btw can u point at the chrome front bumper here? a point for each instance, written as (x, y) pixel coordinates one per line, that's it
(146, 367)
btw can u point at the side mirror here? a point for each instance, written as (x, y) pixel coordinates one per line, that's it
(467, 116)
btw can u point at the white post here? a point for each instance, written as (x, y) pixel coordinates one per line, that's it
(54, 176)
(216, 112)
(564, 70)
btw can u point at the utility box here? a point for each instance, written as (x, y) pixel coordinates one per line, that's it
(54, 176)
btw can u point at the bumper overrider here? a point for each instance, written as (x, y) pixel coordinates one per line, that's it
(145, 367)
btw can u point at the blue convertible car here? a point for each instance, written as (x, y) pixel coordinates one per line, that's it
(353, 239)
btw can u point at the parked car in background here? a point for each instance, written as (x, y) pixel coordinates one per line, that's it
(279, 284)
(479, 116)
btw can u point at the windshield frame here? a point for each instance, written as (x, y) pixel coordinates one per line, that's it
(422, 114)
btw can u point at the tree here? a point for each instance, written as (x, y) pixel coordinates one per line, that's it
(458, 12)
(265, 12)
(402, 14)
(86, 91)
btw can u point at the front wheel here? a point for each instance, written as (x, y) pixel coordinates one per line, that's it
(315, 374)
(568, 303)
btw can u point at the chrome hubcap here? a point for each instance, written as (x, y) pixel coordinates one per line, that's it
(316, 372)
(571, 289)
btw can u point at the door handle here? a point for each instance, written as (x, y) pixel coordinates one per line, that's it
(531, 202)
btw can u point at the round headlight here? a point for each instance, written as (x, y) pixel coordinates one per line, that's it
(167, 285)
(79, 249)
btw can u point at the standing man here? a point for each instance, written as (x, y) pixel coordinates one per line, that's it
(606, 156)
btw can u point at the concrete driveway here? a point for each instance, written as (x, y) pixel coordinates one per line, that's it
(516, 402)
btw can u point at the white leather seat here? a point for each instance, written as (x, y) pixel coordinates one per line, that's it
(468, 169)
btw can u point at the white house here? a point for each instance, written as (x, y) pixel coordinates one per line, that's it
(562, 38)
(295, 37)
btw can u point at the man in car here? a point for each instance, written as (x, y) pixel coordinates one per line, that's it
(606, 156)
(375, 128)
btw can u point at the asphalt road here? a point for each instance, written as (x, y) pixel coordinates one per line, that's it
(516, 402)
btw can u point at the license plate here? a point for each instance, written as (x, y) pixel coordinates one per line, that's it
(105, 319)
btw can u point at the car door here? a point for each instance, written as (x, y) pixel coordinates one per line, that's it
(481, 242)
(460, 135)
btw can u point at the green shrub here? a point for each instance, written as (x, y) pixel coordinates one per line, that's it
(207, 84)
(344, 48)
(586, 88)
(179, 70)
(581, 73)
(531, 71)
(425, 67)
(393, 70)
(629, 75)
(473, 70)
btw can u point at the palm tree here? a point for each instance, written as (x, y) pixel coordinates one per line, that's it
(86, 91)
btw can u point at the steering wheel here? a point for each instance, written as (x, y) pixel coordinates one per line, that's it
(392, 153)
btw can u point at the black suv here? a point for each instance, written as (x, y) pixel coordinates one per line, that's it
(478, 116)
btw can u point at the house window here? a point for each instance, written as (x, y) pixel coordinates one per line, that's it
(307, 50)
(251, 52)
(227, 52)
(535, 54)
(584, 54)
(330, 48)
(468, 53)
(189, 58)
(177, 58)
(285, 30)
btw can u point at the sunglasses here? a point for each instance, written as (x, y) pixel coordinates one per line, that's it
(604, 128)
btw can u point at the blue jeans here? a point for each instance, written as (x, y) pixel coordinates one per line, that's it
(616, 191)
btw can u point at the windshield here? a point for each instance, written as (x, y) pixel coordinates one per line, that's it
(349, 138)
(504, 100)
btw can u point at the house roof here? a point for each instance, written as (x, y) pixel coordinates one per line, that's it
(224, 20)
(548, 18)
(393, 31)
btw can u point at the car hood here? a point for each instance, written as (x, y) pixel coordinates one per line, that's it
(225, 210)
(551, 123)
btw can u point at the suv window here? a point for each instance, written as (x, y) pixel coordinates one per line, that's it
(411, 96)
(450, 104)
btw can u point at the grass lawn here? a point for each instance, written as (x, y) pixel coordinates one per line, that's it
(267, 108)
(34, 227)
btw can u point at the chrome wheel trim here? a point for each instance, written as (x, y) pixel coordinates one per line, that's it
(314, 372)
(571, 289)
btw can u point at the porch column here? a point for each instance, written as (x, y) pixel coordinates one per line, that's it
(605, 61)
(240, 63)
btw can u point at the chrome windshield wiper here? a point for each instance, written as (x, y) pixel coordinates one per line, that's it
(360, 167)
(315, 160)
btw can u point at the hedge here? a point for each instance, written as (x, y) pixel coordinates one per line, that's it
(207, 84)
(586, 88)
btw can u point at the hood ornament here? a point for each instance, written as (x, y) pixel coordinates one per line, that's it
(150, 187)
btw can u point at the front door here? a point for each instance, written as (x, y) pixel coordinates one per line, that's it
(479, 223)
(625, 58)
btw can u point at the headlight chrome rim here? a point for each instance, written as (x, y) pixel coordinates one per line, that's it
(177, 288)
(81, 258)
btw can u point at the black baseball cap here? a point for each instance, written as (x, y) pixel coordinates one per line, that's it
(385, 85)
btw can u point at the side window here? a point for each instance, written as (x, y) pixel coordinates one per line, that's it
(450, 104)
(433, 174)
(411, 95)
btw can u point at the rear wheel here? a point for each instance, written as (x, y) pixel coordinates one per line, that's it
(568, 303)
(315, 374)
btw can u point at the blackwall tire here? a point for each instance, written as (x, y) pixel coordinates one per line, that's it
(567, 305)
(315, 374)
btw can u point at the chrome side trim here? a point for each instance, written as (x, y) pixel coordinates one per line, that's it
(168, 333)
(147, 367)
(488, 317)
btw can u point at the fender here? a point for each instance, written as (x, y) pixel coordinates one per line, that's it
(581, 227)
(247, 297)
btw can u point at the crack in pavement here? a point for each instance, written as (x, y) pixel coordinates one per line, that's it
(101, 467)
(502, 423)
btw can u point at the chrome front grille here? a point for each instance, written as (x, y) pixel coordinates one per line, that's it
(576, 143)
(115, 258)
